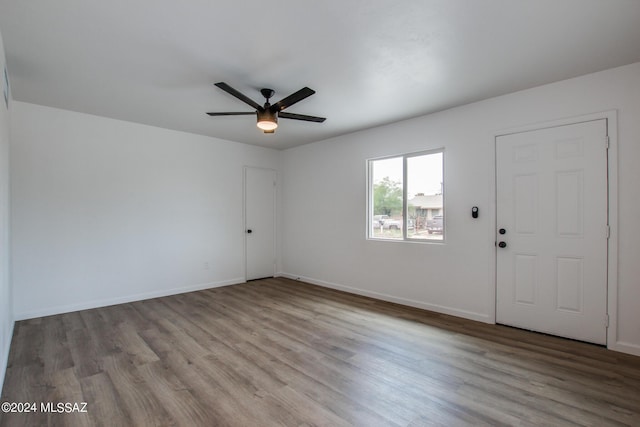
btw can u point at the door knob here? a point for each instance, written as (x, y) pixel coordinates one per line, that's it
(502, 244)
(249, 231)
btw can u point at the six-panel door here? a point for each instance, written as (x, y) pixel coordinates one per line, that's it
(551, 190)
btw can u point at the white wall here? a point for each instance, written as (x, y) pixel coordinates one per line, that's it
(324, 202)
(6, 309)
(106, 211)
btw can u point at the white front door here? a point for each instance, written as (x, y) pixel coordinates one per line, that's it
(260, 222)
(552, 230)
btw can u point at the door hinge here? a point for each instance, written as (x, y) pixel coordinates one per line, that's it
(606, 142)
(608, 232)
(606, 320)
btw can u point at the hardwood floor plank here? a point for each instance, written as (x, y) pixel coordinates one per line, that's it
(84, 352)
(103, 402)
(27, 345)
(129, 340)
(65, 389)
(220, 406)
(134, 393)
(24, 384)
(174, 395)
(72, 321)
(56, 354)
(305, 410)
(239, 399)
(282, 352)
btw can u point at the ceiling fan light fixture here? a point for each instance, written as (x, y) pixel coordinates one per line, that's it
(267, 120)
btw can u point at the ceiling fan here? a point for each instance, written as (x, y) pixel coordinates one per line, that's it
(268, 114)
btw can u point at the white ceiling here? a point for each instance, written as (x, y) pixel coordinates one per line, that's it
(371, 61)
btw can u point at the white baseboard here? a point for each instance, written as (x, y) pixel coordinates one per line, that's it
(49, 311)
(625, 347)
(480, 317)
(4, 362)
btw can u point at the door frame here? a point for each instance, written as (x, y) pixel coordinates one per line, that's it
(612, 187)
(244, 217)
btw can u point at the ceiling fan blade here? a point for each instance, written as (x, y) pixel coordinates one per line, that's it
(233, 114)
(292, 99)
(225, 87)
(285, 115)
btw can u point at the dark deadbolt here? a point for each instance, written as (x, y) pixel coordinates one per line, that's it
(249, 231)
(502, 244)
(502, 231)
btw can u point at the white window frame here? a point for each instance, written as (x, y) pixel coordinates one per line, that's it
(405, 216)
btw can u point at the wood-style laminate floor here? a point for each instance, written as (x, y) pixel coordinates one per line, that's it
(279, 352)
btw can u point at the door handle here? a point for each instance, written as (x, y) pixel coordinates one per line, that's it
(249, 231)
(502, 244)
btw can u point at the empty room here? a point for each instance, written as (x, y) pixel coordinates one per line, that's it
(339, 213)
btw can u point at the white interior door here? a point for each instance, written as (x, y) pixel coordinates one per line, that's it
(551, 195)
(260, 222)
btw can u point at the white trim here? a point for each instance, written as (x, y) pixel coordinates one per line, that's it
(4, 362)
(612, 279)
(121, 300)
(405, 199)
(480, 317)
(369, 205)
(610, 114)
(611, 117)
(493, 226)
(625, 347)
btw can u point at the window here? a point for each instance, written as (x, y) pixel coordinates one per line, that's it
(406, 197)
